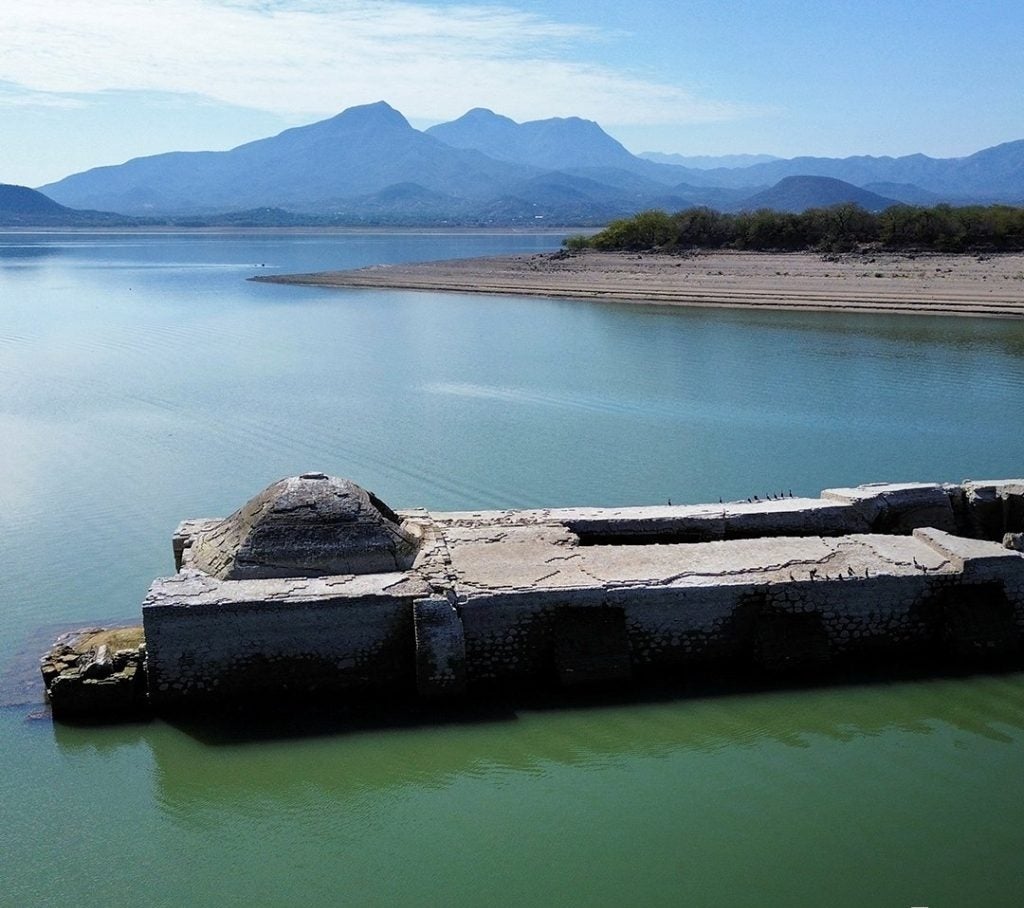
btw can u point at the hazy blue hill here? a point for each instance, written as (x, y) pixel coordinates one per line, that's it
(253, 217)
(23, 200)
(917, 169)
(640, 192)
(707, 162)
(717, 197)
(529, 211)
(628, 181)
(558, 197)
(21, 206)
(558, 143)
(802, 192)
(405, 203)
(309, 168)
(480, 129)
(554, 144)
(411, 194)
(648, 193)
(907, 193)
(993, 174)
(556, 185)
(998, 170)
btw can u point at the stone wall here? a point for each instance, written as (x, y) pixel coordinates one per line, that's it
(210, 641)
(568, 597)
(772, 603)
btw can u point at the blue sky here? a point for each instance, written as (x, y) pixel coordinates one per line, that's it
(91, 82)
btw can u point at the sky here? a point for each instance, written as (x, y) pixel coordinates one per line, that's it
(85, 83)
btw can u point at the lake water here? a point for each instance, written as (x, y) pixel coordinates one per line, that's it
(143, 380)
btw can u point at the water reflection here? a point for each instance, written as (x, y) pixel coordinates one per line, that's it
(219, 764)
(18, 254)
(905, 332)
(21, 684)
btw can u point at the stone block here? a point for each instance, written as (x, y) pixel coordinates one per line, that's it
(440, 648)
(244, 639)
(1014, 541)
(971, 556)
(994, 507)
(591, 645)
(978, 623)
(899, 507)
(785, 642)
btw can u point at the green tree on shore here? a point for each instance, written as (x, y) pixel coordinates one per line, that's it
(838, 228)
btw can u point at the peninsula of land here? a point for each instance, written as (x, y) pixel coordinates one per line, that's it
(913, 283)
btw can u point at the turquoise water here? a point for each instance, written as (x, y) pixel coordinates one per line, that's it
(143, 380)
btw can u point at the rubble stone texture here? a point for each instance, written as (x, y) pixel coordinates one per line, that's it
(306, 526)
(96, 672)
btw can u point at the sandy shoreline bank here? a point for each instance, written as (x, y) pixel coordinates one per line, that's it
(924, 284)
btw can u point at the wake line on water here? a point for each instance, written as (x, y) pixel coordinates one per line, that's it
(527, 396)
(130, 265)
(685, 413)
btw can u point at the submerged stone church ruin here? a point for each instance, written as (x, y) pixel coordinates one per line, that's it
(317, 589)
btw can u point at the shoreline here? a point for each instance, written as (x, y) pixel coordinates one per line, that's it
(21, 229)
(986, 286)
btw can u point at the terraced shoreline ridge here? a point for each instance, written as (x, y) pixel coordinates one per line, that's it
(315, 589)
(989, 286)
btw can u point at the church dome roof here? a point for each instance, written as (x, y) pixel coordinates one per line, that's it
(306, 526)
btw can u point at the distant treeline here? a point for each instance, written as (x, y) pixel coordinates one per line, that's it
(840, 228)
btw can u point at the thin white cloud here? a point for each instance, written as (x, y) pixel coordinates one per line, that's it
(16, 96)
(314, 58)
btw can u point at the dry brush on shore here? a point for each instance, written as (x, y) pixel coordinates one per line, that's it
(839, 228)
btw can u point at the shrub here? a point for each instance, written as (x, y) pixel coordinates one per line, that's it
(576, 243)
(838, 228)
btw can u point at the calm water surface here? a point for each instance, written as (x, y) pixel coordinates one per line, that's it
(143, 380)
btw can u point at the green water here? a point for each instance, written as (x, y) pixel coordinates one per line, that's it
(142, 380)
(901, 795)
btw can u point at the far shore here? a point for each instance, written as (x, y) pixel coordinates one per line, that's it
(295, 229)
(990, 286)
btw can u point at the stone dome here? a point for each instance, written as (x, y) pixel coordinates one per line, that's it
(306, 526)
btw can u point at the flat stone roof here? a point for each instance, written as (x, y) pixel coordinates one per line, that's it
(870, 531)
(775, 506)
(193, 588)
(535, 558)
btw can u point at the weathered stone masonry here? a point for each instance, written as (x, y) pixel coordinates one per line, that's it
(576, 595)
(317, 588)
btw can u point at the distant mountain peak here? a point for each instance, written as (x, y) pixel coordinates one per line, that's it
(21, 199)
(482, 117)
(708, 162)
(480, 113)
(799, 192)
(379, 113)
(556, 143)
(21, 206)
(573, 120)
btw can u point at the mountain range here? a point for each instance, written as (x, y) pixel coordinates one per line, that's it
(369, 165)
